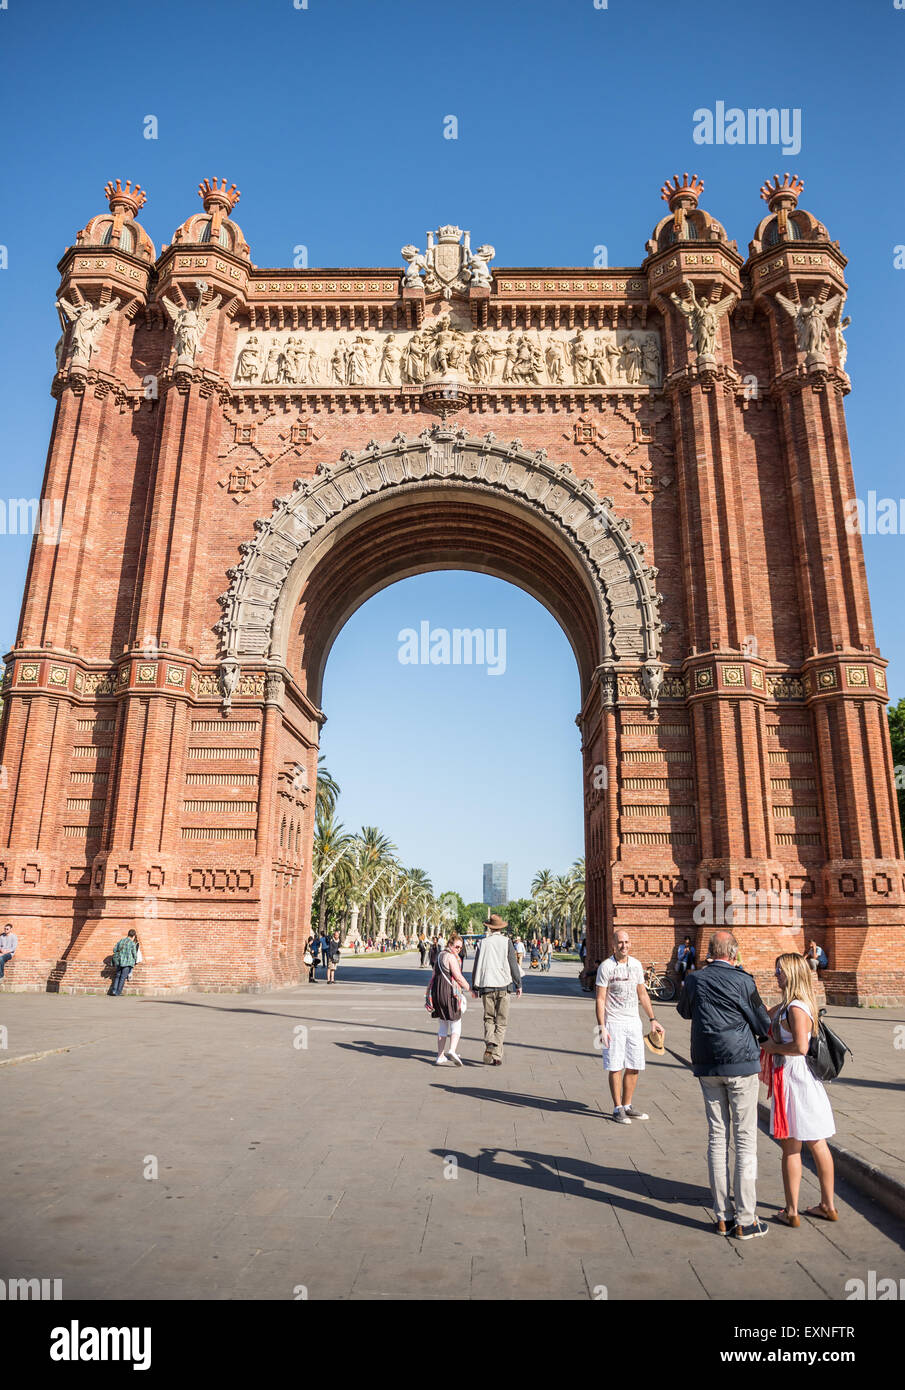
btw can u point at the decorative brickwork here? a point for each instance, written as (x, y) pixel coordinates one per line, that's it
(657, 453)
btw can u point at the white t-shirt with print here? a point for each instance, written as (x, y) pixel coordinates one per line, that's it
(621, 979)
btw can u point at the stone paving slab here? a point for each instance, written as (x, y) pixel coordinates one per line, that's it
(323, 1166)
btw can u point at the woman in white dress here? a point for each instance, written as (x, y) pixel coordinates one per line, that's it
(800, 1110)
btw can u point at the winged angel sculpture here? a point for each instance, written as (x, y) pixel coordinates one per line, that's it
(811, 321)
(703, 318)
(88, 322)
(190, 323)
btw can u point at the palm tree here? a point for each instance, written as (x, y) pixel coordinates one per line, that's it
(377, 857)
(331, 846)
(542, 892)
(327, 793)
(417, 894)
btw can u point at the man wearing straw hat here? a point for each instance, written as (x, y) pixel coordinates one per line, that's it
(495, 976)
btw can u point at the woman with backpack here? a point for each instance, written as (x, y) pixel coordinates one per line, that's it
(800, 1110)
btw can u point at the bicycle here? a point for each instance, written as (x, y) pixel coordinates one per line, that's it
(660, 987)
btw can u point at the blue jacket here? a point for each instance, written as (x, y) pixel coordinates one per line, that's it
(728, 1020)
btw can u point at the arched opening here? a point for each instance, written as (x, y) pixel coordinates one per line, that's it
(467, 758)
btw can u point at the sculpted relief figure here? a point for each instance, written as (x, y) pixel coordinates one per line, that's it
(631, 359)
(272, 368)
(361, 359)
(811, 321)
(650, 360)
(190, 323)
(339, 363)
(249, 361)
(582, 360)
(556, 358)
(481, 359)
(88, 322)
(703, 319)
(412, 362)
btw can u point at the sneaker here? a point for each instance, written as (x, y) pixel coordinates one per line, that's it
(455, 1058)
(721, 1228)
(634, 1114)
(488, 1059)
(442, 1061)
(497, 1061)
(620, 1116)
(749, 1232)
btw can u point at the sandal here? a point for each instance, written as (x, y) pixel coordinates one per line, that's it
(823, 1213)
(785, 1218)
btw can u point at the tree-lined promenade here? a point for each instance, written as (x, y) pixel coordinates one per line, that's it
(363, 890)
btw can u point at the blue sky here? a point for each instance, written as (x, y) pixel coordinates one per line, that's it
(330, 119)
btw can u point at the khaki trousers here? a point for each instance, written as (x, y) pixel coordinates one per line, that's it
(496, 1016)
(731, 1104)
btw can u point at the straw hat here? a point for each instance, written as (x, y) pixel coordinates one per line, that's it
(655, 1041)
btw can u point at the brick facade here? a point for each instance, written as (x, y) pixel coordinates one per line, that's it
(681, 514)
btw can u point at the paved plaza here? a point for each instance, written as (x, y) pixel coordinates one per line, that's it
(306, 1145)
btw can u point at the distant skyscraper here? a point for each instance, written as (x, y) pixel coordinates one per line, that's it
(496, 884)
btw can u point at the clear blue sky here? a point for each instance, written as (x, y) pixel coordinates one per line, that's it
(330, 120)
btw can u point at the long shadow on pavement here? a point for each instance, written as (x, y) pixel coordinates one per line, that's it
(573, 1176)
(523, 1101)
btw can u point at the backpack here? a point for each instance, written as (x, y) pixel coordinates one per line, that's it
(826, 1052)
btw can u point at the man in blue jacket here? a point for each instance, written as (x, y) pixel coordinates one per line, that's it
(728, 1023)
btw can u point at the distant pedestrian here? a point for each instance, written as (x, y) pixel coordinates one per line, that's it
(519, 950)
(422, 951)
(334, 951)
(685, 957)
(728, 1022)
(312, 958)
(125, 957)
(434, 951)
(620, 989)
(800, 1110)
(546, 955)
(494, 977)
(9, 944)
(445, 999)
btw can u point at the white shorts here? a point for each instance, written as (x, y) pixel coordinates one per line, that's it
(626, 1047)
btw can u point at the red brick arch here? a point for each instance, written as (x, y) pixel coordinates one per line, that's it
(443, 499)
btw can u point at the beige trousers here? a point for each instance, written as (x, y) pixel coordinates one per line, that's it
(496, 1016)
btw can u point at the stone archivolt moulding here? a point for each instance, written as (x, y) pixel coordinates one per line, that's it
(628, 606)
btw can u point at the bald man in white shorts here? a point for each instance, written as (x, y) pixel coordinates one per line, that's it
(620, 989)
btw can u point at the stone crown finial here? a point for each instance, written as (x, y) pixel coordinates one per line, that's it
(219, 196)
(126, 201)
(783, 195)
(683, 195)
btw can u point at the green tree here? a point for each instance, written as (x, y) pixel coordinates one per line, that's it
(514, 914)
(477, 914)
(454, 909)
(896, 716)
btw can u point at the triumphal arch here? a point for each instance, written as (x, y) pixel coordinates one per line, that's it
(243, 456)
